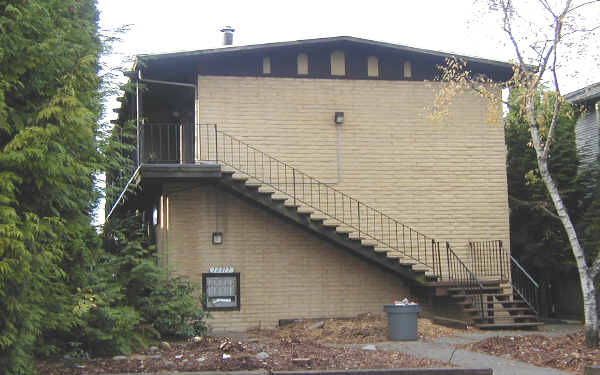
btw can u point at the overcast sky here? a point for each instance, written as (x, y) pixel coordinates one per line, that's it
(446, 25)
(457, 26)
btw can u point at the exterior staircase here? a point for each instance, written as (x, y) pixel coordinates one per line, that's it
(489, 294)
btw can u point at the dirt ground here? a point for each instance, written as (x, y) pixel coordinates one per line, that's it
(362, 329)
(283, 354)
(567, 353)
(301, 345)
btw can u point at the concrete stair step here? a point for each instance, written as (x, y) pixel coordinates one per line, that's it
(240, 177)
(331, 223)
(498, 309)
(508, 325)
(368, 242)
(264, 189)
(317, 216)
(421, 267)
(407, 261)
(344, 230)
(513, 303)
(290, 203)
(253, 183)
(279, 197)
(304, 209)
(486, 294)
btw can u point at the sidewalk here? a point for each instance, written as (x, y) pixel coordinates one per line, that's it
(444, 349)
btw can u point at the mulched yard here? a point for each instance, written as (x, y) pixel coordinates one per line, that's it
(301, 345)
(362, 329)
(283, 354)
(567, 353)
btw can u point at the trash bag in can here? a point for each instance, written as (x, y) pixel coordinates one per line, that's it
(402, 321)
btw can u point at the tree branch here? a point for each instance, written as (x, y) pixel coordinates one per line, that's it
(558, 100)
(582, 5)
(537, 205)
(547, 6)
(506, 9)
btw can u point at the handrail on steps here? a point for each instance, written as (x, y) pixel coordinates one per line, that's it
(490, 258)
(174, 143)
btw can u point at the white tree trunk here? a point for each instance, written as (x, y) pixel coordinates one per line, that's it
(587, 283)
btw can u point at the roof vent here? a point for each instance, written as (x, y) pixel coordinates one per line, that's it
(227, 35)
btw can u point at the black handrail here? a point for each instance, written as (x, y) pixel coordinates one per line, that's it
(458, 272)
(366, 221)
(206, 143)
(490, 258)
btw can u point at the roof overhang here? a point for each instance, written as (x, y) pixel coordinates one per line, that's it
(186, 57)
(588, 93)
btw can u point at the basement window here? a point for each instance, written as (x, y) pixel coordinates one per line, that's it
(221, 291)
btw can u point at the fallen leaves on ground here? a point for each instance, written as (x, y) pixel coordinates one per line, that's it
(362, 329)
(566, 352)
(212, 355)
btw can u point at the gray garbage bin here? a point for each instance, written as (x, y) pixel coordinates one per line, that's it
(402, 322)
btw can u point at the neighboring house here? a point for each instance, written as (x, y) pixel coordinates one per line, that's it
(587, 129)
(304, 180)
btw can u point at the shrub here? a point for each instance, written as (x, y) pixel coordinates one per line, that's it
(173, 309)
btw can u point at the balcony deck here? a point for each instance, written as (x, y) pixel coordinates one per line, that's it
(180, 171)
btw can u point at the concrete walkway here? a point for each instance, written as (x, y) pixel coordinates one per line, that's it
(444, 349)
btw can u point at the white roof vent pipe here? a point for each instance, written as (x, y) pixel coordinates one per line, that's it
(227, 35)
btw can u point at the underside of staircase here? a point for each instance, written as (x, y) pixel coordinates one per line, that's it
(491, 290)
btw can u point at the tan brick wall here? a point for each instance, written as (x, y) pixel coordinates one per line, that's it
(445, 180)
(285, 271)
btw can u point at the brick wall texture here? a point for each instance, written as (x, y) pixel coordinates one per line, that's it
(446, 180)
(285, 272)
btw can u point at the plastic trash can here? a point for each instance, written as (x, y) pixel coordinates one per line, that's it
(402, 322)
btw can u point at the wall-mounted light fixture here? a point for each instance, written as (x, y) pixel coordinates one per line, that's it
(217, 238)
(339, 118)
(154, 215)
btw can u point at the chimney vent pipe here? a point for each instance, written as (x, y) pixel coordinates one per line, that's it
(227, 35)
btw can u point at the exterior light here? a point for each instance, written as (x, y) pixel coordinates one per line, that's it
(339, 118)
(154, 216)
(217, 238)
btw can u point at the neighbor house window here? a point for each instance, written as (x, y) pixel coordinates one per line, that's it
(302, 63)
(266, 65)
(373, 66)
(221, 291)
(338, 63)
(407, 69)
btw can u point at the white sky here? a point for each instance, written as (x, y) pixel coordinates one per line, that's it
(445, 25)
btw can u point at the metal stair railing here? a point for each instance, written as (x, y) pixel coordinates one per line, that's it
(213, 145)
(490, 258)
(458, 272)
(304, 190)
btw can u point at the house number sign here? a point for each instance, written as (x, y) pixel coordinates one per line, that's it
(220, 269)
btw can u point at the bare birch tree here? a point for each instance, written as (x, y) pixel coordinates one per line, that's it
(542, 49)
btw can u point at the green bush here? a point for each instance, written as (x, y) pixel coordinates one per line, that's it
(173, 309)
